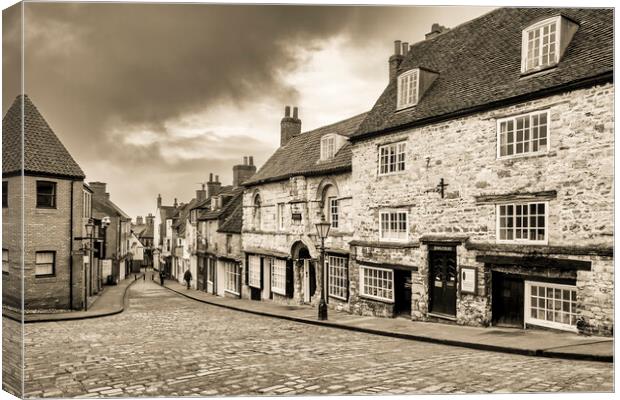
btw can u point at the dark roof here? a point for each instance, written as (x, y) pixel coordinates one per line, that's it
(44, 154)
(225, 210)
(183, 216)
(479, 66)
(300, 156)
(233, 222)
(103, 206)
(168, 212)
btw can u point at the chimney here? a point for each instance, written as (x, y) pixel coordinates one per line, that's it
(201, 194)
(396, 58)
(243, 172)
(289, 126)
(158, 200)
(150, 219)
(139, 220)
(436, 30)
(213, 187)
(175, 203)
(98, 188)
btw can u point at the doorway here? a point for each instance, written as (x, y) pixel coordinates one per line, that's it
(402, 293)
(309, 281)
(507, 300)
(442, 280)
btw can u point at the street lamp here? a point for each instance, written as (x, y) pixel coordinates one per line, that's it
(89, 236)
(322, 230)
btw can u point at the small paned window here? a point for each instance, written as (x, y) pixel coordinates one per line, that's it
(541, 45)
(338, 277)
(525, 222)
(254, 272)
(394, 225)
(408, 87)
(46, 194)
(551, 305)
(524, 134)
(45, 263)
(377, 283)
(328, 147)
(233, 274)
(281, 216)
(392, 158)
(278, 276)
(333, 211)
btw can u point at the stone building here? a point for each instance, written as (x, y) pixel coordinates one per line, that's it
(308, 176)
(49, 215)
(163, 236)
(482, 179)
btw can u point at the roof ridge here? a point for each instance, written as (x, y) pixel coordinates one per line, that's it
(329, 125)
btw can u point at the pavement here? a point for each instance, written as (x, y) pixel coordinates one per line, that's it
(531, 342)
(112, 300)
(165, 344)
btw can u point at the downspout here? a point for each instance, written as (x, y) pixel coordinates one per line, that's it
(120, 256)
(71, 250)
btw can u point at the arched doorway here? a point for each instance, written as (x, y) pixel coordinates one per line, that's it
(305, 270)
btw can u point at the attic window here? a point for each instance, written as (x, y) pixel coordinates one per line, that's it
(328, 147)
(408, 87)
(544, 42)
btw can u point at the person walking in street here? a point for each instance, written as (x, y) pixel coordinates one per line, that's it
(187, 277)
(161, 277)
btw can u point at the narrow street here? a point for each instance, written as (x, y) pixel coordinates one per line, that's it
(165, 344)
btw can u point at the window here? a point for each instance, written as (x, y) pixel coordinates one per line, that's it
(541, 45)
(229, 243)
(338, 277)
(5, 261)
(377, 283)
(5, 194)
(257, 212)
(525, 222)
(328, 147)
(46, 194)
(333, 211)
(254, 272)
(45, 263)
(211, 269)
(551, 305)
(278, 276)
(394, 225)
(392, 158)
(408, 87)
(524, 134)
(281, 216)
(232, 272)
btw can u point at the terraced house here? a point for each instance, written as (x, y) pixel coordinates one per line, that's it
(481, 179)
(308, 176)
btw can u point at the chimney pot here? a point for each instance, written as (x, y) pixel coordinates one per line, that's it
(245, 160)
(397, 47)
(287, 111)
(295, 112)
(217, 178)
(211, 177)
(251, 160)
(405, 48)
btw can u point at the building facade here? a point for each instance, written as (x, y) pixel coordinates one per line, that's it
(482, 185)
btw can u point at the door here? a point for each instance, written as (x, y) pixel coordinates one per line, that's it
(442, 279)
(309, 280)
(402, 293)
(266, 292)
(507, 301)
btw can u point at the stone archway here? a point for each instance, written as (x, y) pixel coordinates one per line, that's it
(305, 277)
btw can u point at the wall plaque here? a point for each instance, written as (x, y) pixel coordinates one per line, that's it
(468, 280)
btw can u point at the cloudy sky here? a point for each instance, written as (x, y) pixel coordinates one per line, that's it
(151, 98)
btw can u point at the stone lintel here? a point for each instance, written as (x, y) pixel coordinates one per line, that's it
(385, 245)
(516, 196)
(536, 261)
(444, 239)
(388, 265)
(266, 252)
(592, 250)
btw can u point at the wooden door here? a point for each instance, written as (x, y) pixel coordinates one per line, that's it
(507, 302)
(402, 294)
(442, 281)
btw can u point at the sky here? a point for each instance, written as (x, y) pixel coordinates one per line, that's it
(151, 98)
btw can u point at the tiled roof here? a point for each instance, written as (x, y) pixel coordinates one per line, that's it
(479, 66)
(233, 222)
(224, 211)
(300, 156)
(103, 206)
(44, 154)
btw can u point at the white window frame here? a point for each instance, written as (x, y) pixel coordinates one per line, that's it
(232, 272)
(528, 319)
(525, 44)
(382, 233)
(399, 148)
(333, 205)
(521, 241)
(513, 119)
(281, 216)
(5, 261)
(363, 287)
(328, 147)
(278, 276)
(53, 264)
(254, 272)
(404, 99)
(338, 271)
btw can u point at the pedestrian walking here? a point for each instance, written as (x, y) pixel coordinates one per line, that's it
(187, 277)
(161, 277)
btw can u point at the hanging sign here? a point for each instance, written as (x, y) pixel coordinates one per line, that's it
(468, 280)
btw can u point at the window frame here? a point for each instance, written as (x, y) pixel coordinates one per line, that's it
(514, 121)
(5, 194)
(525, 44)
(381, 231)
(527, 304)
(362, 286)
(281, 209)
(396, 155)
(53, 264)
(326, 155)
(232, 269)
(521, 241)
(399, 100)
(252, 277)
(334, 204)
(53, 196)
(277, 273)
(5, 262)
(331, 269)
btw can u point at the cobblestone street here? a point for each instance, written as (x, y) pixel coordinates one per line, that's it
(164, 344)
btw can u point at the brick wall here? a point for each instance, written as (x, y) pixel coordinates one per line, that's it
(12, 241)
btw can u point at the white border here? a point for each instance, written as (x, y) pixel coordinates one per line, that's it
(524, 43)
(527, 305)
(362, 287)
(395, 210)
(499, 121)
(522, 241)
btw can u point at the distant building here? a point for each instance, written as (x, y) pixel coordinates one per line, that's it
(53, 216)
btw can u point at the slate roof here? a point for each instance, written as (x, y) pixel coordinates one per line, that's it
(44, 154)
(233, 222)
(479, 66)
(103, 206)
(300, 156)
(224, 211)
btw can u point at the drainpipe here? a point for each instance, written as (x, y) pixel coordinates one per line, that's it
(71, 249)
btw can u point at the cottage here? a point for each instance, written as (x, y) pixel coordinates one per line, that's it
(482, 179)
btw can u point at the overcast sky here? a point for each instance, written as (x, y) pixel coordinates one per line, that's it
(151, 98)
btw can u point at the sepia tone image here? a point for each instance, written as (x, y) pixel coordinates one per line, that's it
(283, 200)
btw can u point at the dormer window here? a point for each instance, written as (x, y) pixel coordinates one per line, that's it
(328, 147)
(544, 42)
(408, 87)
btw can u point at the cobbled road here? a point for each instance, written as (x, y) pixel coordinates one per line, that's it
(166, 344)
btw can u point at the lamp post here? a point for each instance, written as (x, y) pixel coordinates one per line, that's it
(322, 230)
(89, 236)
